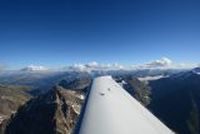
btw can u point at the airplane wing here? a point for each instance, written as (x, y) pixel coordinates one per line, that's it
(111, 110)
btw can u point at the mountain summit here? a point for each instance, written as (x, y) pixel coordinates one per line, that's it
(196, 70)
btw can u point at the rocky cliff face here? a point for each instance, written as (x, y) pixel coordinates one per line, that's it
(136, 88)
(55, 112)
(11, 98)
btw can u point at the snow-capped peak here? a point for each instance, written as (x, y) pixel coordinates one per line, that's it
(196, 71)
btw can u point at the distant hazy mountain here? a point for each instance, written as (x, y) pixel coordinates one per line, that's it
(39, 82)
(80, 83)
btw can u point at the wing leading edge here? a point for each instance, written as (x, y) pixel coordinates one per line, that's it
(111, 110)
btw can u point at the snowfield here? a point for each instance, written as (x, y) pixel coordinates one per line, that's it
(152, 78)
(111, 110)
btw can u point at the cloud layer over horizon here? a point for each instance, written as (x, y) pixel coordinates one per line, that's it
(162, 63)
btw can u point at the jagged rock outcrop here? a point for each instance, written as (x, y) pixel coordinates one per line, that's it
(141, 91)
(136, 88)
(55, 112)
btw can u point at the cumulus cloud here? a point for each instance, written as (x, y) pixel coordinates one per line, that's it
(94, 66)
(156, 64)
(163, 62)
(34, 68)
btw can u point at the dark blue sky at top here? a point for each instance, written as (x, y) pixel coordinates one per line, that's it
(61, 32)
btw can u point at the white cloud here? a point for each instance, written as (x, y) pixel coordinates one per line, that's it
(34, 68)
(163, 62)
(94, 66)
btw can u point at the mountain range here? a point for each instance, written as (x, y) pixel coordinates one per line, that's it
(173, 98)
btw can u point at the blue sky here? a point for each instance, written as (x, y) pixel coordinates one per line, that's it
(59, 32)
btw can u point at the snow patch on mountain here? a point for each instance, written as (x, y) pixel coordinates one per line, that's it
(196, 71)
(152, 78)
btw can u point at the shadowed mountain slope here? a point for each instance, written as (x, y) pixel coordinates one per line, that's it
(55, 112)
